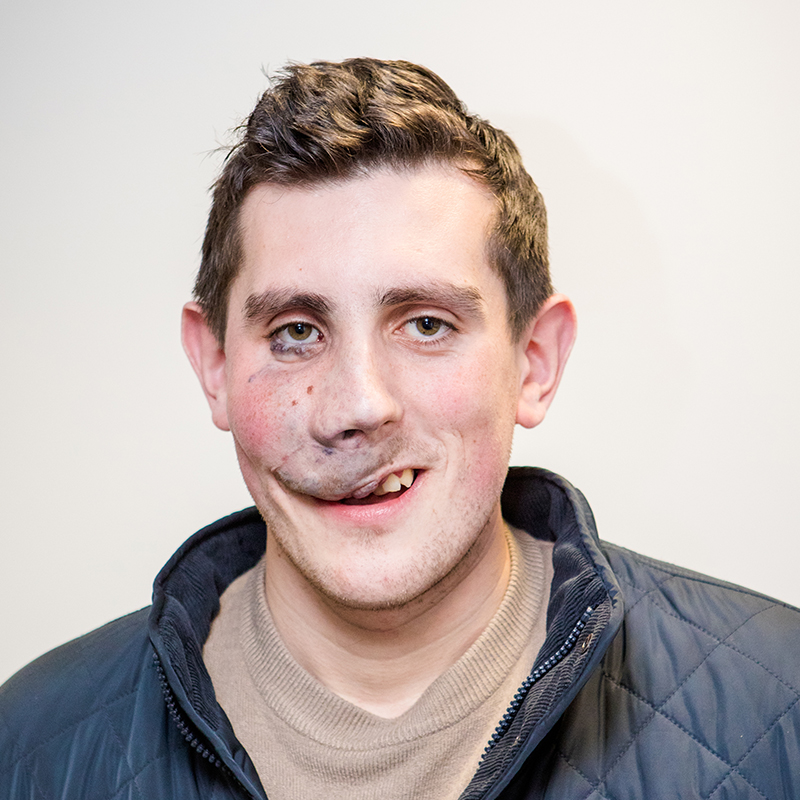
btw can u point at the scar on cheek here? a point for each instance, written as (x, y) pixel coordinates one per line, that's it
(309, 390)
(257, 375)
(294, 402)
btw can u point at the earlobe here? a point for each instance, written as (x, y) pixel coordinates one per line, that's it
(208, 361)
(545, 348)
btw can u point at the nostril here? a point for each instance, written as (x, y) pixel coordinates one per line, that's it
(348, 438)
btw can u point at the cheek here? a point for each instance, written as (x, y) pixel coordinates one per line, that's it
(473, 410)
(265, 418)
(477, 401)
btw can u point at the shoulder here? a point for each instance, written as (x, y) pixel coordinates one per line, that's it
(679, 617)
(706, 669)
(690, 601)
(74, 693)
(77, 670)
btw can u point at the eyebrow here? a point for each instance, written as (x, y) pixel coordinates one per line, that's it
(260, 308)
(466, 300)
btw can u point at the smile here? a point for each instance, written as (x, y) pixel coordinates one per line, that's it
(392, 486)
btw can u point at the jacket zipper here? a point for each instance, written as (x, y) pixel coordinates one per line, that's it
(187, 731)
(185, 727)
(536, 675)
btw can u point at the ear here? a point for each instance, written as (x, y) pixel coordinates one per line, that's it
(208, 360)
(544, 349)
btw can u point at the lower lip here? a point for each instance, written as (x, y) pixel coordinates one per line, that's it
(373, 513)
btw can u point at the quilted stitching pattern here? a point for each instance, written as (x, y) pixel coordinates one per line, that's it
(103, 731)
(693, 695)
(697, 696)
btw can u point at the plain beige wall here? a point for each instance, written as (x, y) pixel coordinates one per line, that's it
(664, 137)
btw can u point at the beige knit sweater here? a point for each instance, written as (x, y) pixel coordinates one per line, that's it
(307, 742)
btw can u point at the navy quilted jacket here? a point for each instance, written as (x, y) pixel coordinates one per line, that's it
(653, 682)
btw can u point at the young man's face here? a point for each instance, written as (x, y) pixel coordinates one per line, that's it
(367, 338)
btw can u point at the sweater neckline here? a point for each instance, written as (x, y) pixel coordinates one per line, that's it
(318, 713)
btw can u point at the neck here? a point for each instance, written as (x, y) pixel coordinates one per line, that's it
(383, 660)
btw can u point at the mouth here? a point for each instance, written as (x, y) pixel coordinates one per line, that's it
(392, 486)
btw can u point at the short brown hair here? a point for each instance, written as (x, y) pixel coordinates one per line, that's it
(332, 121)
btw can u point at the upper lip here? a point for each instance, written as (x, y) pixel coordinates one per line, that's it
(368, 486)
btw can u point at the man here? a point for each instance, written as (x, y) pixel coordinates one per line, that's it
(373, 316)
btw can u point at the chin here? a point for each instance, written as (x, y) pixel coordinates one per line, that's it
(377, 590)
(391, 581)
(403, 563)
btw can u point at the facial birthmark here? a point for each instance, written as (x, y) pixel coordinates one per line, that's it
(309, 390)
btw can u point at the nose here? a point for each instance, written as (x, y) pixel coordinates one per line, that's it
(356, 401)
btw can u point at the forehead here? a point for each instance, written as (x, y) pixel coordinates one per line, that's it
(380, 231)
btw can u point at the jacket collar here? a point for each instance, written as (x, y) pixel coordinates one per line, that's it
(584, 613)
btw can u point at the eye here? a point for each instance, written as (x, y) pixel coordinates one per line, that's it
(300, 331)
(295, 338)
(427, 327)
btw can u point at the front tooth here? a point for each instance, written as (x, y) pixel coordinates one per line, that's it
(391, 484)
(407, 478)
